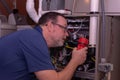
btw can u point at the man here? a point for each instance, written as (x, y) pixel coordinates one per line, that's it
(26, 51)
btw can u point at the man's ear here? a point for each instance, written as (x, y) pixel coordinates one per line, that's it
(50, 26)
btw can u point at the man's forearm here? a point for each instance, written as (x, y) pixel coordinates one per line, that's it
(68, 71)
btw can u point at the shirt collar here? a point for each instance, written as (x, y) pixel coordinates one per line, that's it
(38, 28)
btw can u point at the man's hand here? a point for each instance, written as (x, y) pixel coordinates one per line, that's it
(79, 56)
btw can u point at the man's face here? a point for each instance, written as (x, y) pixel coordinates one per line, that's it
(60, 32)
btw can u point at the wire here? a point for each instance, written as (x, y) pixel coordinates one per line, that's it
(67, 46)
(93, 59)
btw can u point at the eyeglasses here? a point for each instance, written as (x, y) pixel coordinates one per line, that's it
(65, 28)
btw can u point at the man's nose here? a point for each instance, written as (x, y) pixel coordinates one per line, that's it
(67, 33)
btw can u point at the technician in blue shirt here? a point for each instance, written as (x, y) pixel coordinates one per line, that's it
(27, 51)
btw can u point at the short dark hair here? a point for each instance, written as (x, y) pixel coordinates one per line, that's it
(49, 16)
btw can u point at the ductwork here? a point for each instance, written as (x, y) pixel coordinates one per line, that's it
(34, 15)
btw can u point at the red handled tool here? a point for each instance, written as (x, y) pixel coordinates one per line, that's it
(82, 42)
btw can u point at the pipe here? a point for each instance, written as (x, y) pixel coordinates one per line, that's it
(93, 22)
(15, 4)
(103, 29)
(93, 31)
(94, 6)
(31, 10)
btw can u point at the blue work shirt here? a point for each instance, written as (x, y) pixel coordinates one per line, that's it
(22, 53)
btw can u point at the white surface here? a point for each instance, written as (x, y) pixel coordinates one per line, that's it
(94, 5)
(6, 29)
(93, 29)
(112, 5)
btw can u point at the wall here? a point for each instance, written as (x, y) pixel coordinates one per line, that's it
(113, 44)
(21, 6)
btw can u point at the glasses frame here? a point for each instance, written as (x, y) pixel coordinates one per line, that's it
(63, 27)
